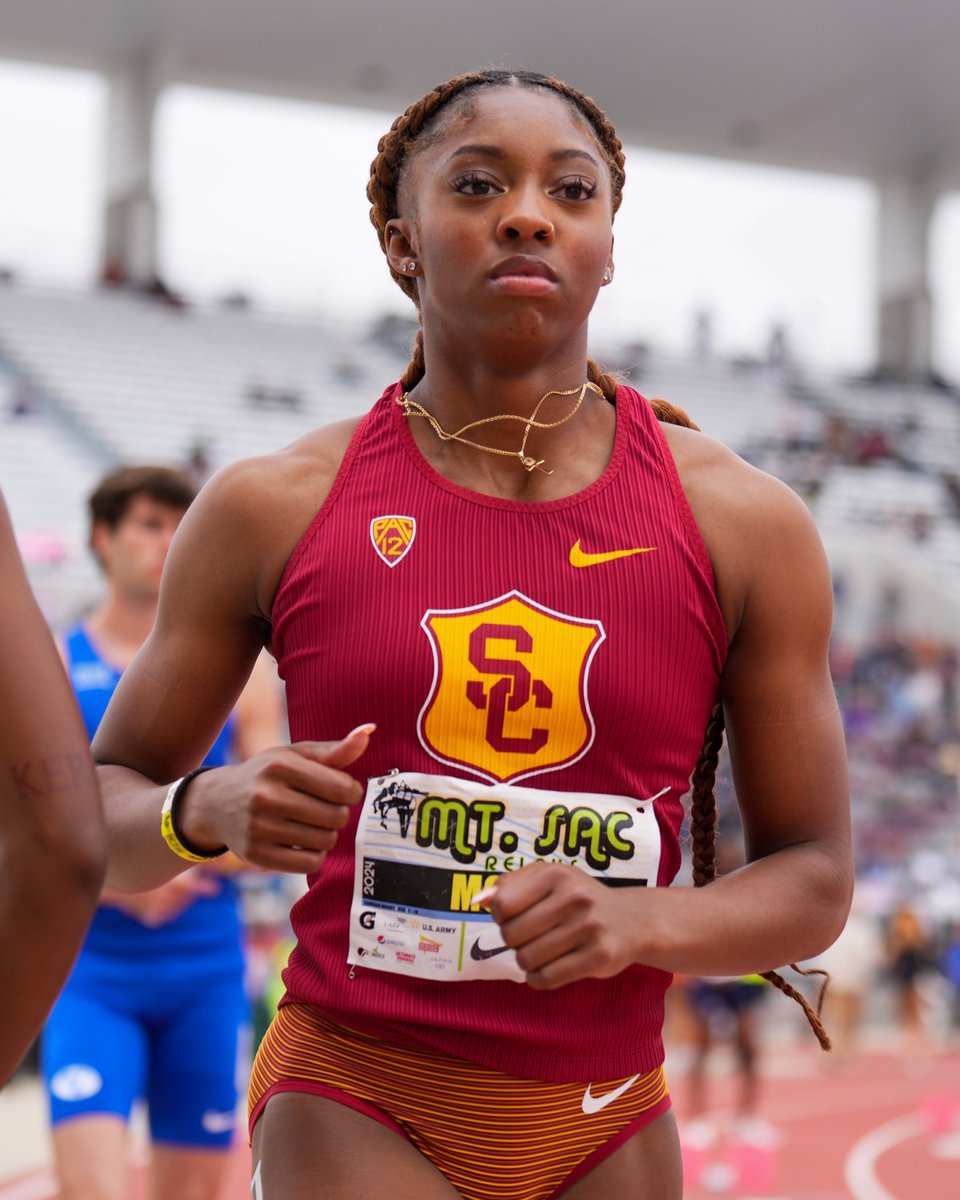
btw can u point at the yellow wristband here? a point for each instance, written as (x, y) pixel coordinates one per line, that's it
(168, 823)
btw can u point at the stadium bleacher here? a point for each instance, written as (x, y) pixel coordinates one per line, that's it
(121, 377)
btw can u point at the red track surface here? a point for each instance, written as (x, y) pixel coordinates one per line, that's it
(863, 1130)
(867, 1130)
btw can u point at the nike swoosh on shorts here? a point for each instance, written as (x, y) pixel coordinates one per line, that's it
(581, 558)
(218, 1122)
(593, 1104)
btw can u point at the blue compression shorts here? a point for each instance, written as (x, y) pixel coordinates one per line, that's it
(175, 1040)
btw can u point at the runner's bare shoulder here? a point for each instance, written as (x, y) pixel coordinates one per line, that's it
(249, 517)
(752, 523)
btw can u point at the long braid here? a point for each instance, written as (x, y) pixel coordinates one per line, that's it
(703, 802)
(416, 367)
(812, 1014)
(670, 414)
(703, 835)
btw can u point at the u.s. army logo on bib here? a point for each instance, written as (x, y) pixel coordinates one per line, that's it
(509, 695)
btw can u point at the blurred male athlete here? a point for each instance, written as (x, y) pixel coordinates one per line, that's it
(156, 1004)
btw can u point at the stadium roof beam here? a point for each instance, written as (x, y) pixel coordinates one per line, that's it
(858, 88)
(904, 305)
(130, 208)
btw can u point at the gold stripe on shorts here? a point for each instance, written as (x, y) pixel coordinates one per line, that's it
(494, 1136)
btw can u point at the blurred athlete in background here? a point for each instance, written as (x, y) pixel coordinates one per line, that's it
(723, 1010)
(52, 845)
(156, 1005)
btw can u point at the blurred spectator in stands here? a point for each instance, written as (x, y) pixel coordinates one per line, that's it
(270, 395)
(909, 959)
(22, 398)
(395, 332)
(872, 446)
(950, 966)
(158, 289)
(952, 484)
(236, 301)
(778, 347)
(853, 963)
(839, 439)
(198, 465)
(348, 372)
(114, 274)
(898, 696)
(725, 1011)
(702, 335)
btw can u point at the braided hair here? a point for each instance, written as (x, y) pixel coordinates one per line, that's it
(703, 836)
(417, 127)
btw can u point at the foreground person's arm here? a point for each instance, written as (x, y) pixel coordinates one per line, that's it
(51, 828)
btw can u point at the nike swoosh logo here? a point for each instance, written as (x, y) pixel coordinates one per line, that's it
(581, 558)
(218, 1122)
(479, 954)
(593, 1104)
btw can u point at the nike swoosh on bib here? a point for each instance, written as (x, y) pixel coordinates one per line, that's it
(581, 558)
(593, 1104)
(479, 953)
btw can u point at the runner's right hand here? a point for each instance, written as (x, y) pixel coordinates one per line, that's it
(281, 809)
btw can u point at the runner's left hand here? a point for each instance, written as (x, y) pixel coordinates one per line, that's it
(563, 924)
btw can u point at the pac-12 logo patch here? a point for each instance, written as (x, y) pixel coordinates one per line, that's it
(392, 537)
(509, 695)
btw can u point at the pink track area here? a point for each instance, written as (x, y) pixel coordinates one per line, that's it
(862, 1130)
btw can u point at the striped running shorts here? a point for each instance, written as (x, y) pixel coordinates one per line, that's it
(547, 1135)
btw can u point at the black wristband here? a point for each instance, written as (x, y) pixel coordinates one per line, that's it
(175, 813)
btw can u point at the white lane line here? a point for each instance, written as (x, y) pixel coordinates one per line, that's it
(42, 1186)
(947, 1146)
(859, 1170)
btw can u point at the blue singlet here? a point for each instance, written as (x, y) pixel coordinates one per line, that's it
(152, 1012)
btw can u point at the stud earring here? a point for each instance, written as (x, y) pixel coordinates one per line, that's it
(607, 276)
(411, 266)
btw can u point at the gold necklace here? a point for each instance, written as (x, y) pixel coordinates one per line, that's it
(411, 408)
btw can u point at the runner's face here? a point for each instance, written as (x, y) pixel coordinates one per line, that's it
(511, 219)
(133, 554)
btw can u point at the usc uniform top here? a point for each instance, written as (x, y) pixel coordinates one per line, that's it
(541, 675)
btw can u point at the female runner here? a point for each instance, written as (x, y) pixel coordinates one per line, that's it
(527, 598)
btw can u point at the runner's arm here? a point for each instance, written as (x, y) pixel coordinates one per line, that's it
(788, 759)
(789, 765)
(279, 809)
(51, 828)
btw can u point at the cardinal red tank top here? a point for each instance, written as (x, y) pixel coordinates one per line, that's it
(541, 675)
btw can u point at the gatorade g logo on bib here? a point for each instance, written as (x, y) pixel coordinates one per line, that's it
(509, 694)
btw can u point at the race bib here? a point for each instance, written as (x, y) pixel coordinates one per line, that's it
(428, 844)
